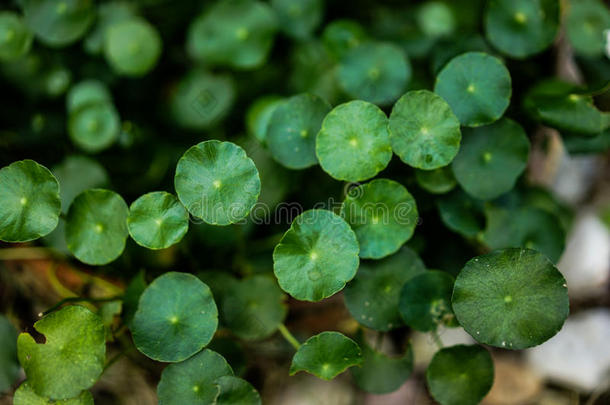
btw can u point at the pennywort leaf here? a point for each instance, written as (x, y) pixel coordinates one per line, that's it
(17, 38)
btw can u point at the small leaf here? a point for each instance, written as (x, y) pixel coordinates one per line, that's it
(586, 23)
(436, 19)
(491, 159)
(425, 301)
(316, 256)
(298, 18)
(477, 86)
(326, 355)
(176, 318)
(234, 390)
(25, 395)
(511, 298)
(29, 202)
(253, 308)
(460, 375)
(9, 363)
(258, 115)
(376, 72)
(437, 181)
(372, 296)
(424, 132)
(71, 359)
(85, 92)
(157, 220)
(383, 214)
(193, 381)
(77, 174)
(292, 130)
(94, 126)
(16, 44)
(353, 143)
(96, 228)
(217, 182)
(340, 36)
(462, 213)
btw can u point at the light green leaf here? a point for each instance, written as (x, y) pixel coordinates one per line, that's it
(9, 363)
(94, 126)
(29, 202)
(477, 86)
(298, 18)
(85, 92)
(96, 226)
(259, 114)
(585, 25)
(460, 375)
(316, 256)
(107, 14)
(193, 381)
(77, 174)
(437, 181)
(217, 182)
(511, 298)
(16, 37)
(176, 318)
(424, 132)
(234, 390)
(353, 143)
(372, 296)
(436, 19)
(71, 359)
(25, 395)
(326, 355)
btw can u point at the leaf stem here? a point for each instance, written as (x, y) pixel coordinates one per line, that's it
(288, 336)
(437, 339)
(79, 299)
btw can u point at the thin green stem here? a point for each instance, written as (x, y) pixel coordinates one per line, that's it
(379, 341)
(437, 339)
(79, 299)
(288, 336)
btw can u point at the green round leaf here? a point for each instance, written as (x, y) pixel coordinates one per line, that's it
(424, 132)
(585, 25)
(15, 37)
(234, 390)
(237, 34)
(96, 226)
(9, 363)
(107, 14)
(85, 92)
(193, 381)
(379, 373)
(353, 143)
(201, 99)
(425, 301)
(176, 318)
(326, 355)
(437, 181)
(462, 213)
(132, 47)
(520, 28)
(77, 174)
(340, 36)
(477, 86)
(316, 256)
(491, 159)
(436, 19)
(292, 130)
(259, 114)
(375, 72)
(94, 126)
(253, 308)
(58, 23)
(29, 202)
(512, 298)
(25, 395)
(460, 375)
(372, 296)
(383, 215)
(217, 182)
(71, 359)
(157, 220)
(298, 18)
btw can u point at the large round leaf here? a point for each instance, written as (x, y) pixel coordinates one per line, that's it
(353, 143)
(9, 364)
(217, 182)
(176, 317)
(383, 214)
(375, 72)
(292, 130)
(15, 37)
(157, 220)
(298, 18)
(460, 375)
(25, 395)
(72, 357)
(96, 226)
(94, 126)
(424, 132)
(491, 159)
(233, 33)
(477, 86)
(326, 355)
(520, 28)
(132, 47)
(372, 296)
(193, 381)
(425, 301)
(586, 23)
(316, 256)
(234, 390)
(511, 298)
(29, 201)
(58, 23)
(253, 308)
